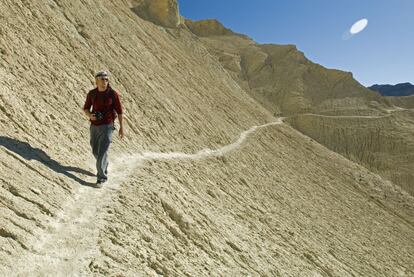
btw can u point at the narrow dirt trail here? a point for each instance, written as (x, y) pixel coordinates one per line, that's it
(70, 242)
(389, 113)
(347, 116)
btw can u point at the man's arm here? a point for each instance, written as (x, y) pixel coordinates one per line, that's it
(119, 111)
(89, 115)
(121, 121)
(87, 106)
(121, 125)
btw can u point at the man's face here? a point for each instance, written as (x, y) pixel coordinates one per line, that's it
(102, 82)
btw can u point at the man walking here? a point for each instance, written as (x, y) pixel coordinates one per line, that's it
(105, 102)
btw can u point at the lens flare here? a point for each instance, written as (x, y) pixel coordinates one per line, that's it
(356, 28)
(359, 26)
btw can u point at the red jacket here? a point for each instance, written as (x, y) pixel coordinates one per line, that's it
(103, 103)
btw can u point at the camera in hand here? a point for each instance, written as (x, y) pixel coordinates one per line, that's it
(99, 115)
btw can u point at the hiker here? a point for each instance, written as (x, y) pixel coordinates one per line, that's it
(105, 102)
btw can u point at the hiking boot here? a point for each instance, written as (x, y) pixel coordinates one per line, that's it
(99, 183)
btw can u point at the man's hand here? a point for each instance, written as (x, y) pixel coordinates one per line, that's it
(121, 132)
(90, 115)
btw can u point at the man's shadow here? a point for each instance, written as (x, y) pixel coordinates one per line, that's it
(27, 152)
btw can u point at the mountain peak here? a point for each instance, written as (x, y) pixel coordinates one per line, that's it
(161, 12)
(401, 89)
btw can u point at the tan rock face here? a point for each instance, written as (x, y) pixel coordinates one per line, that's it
(384, 144)
(403, 101)
(161, 12)
(285, 82)
(281, 78)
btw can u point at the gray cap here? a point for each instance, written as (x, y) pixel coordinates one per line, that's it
(102, 74)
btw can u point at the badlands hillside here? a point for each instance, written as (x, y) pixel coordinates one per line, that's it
(281, 78)
(208, 181)
(350, 119)
(403, 101)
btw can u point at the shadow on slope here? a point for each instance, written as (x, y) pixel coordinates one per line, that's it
(26, 151)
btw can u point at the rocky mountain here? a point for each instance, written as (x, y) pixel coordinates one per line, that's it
(207, 180)
(325, 104)
(403, 89)
(282, 79)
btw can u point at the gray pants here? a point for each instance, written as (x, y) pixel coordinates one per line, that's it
(101, 137)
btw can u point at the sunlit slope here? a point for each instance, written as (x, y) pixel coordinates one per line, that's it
(384, 144)
(175, 97)
(282, 79)
(274, 203)
(403, 101)
(278, 205)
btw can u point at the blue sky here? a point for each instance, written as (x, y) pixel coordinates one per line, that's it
(383, 53)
